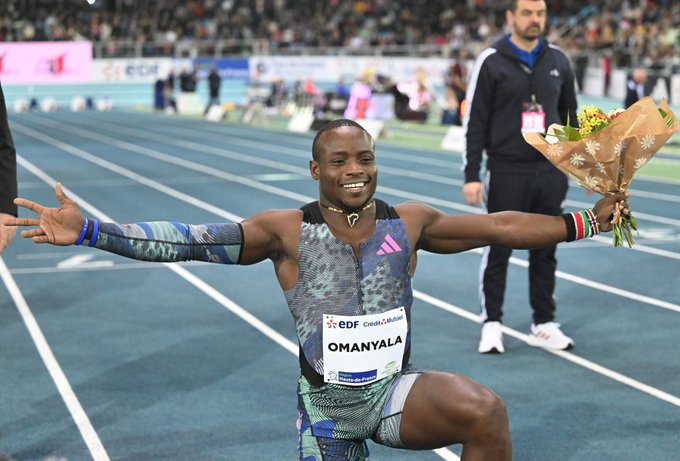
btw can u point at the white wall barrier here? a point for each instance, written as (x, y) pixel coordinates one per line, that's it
(593, 82)
(675, 90)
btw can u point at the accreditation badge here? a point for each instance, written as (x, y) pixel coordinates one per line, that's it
(533, 118)
(362, 349)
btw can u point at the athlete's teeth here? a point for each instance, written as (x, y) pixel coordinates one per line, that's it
(351, 186)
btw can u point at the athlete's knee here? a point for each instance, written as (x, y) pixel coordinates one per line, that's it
(490, 415)
(490, 436)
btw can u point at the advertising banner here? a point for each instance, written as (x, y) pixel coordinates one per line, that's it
(332, 68)
(131, 70)
(45, 62)
(228, 68)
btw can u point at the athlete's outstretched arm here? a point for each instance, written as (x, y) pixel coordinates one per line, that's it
(443, 233)
(152, 241)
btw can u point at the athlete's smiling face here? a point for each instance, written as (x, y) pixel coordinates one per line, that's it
(345, 167)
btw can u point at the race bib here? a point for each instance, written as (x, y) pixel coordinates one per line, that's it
(362, 349)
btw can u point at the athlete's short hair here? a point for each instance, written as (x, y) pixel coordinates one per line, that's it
(332, 126)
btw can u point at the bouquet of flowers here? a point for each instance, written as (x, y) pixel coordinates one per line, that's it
(608, 149)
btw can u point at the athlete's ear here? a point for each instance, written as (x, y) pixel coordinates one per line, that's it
(314, 169)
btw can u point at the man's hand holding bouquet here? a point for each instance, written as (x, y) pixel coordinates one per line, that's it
(607, 150)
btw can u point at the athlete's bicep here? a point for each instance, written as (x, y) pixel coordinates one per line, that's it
(454, 233)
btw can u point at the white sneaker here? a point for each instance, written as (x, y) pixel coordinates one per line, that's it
(549, 335)
(491, 340)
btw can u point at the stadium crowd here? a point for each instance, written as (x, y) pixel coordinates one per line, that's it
(630, 32)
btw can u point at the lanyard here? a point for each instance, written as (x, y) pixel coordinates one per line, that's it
(532, 79)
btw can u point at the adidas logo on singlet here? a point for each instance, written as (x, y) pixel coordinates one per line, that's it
(388, 246)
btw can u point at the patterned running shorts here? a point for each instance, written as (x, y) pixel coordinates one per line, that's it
(334, 421)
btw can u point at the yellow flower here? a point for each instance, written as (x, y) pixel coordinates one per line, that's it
(591, 119)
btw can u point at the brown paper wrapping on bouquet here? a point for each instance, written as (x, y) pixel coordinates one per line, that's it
(606, 161)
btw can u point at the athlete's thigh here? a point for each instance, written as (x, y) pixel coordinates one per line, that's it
(443, 409)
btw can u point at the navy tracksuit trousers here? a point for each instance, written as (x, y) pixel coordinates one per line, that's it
(541, 190)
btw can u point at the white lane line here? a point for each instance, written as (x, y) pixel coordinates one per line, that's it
(82, 261)
(78, 414)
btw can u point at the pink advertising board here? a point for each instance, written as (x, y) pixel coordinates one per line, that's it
(45, 62)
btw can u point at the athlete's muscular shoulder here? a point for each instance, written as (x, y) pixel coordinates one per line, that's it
(271, 234)
(416, 217)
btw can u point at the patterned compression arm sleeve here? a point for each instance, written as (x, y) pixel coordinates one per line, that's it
(171, 242)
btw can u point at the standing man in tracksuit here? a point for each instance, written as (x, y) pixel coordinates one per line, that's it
(521, 83)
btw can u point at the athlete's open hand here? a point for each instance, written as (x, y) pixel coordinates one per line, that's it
(58, 226)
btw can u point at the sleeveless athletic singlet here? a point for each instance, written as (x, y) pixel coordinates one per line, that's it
(332, 280)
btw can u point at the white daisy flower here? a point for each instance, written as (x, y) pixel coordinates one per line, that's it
(577, 159)
(554, 150)
(600, 167)
(647, 141)
(590, 182)
(577, 181)
(620, 147)
(592, 147)
(640, 162)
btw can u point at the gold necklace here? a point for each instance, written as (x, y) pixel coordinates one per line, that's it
(352, 217)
